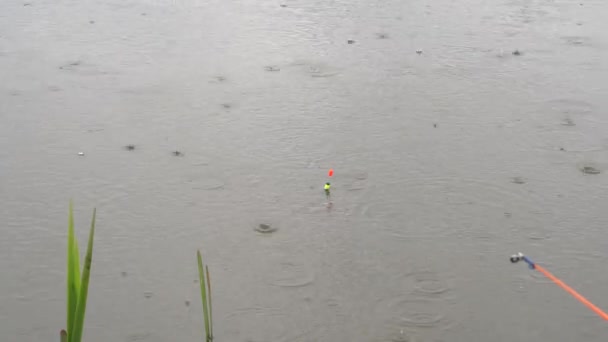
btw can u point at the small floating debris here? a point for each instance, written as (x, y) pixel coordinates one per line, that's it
(283, 5)
(516, 53)
(148, 294)
(518, 180)
(562, 149)
(435, 125)
(187, 303)
(382, 35)
(70, 65)
(130, 147)
(265, 228)
(272, 68)
(568, 122)
(575, 40)
(91, 21)
(177, 153)
(350, 41)
(81, 154)
(218, 79)
(419, 51)
(226, 105)
(144, 14)
(590, 170)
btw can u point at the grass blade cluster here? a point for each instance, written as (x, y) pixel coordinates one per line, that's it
(203, 275)
(77, 284)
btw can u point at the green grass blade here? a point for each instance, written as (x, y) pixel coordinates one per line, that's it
(73, 272)
(201, 276)
(76, 266)
(75, 334)
(64, 336)
(210, 307)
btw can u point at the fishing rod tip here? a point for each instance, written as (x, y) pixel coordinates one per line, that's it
(516, 257)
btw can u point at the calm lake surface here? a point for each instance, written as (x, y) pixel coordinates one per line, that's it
(451, 152)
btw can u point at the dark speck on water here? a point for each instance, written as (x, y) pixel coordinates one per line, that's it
(123, 273)
(130, 147)
(516, 53)
(350, 41)
(568, 122)
(518, 180)
(70, 65)
(187, 303)
(265, 228)
(590, 170)
(272, 68)
(177, 153)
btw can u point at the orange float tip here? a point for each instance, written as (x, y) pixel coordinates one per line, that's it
(331, 172)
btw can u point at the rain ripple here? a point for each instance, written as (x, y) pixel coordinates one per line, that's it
(428, 283)
(420, 309)
(261, 324)
(405, 312)
(292, 273)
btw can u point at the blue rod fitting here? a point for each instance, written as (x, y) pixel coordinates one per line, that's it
(529, 262)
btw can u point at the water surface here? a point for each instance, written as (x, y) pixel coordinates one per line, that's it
(450, 154)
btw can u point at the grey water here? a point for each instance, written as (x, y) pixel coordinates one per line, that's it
(460, 132)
